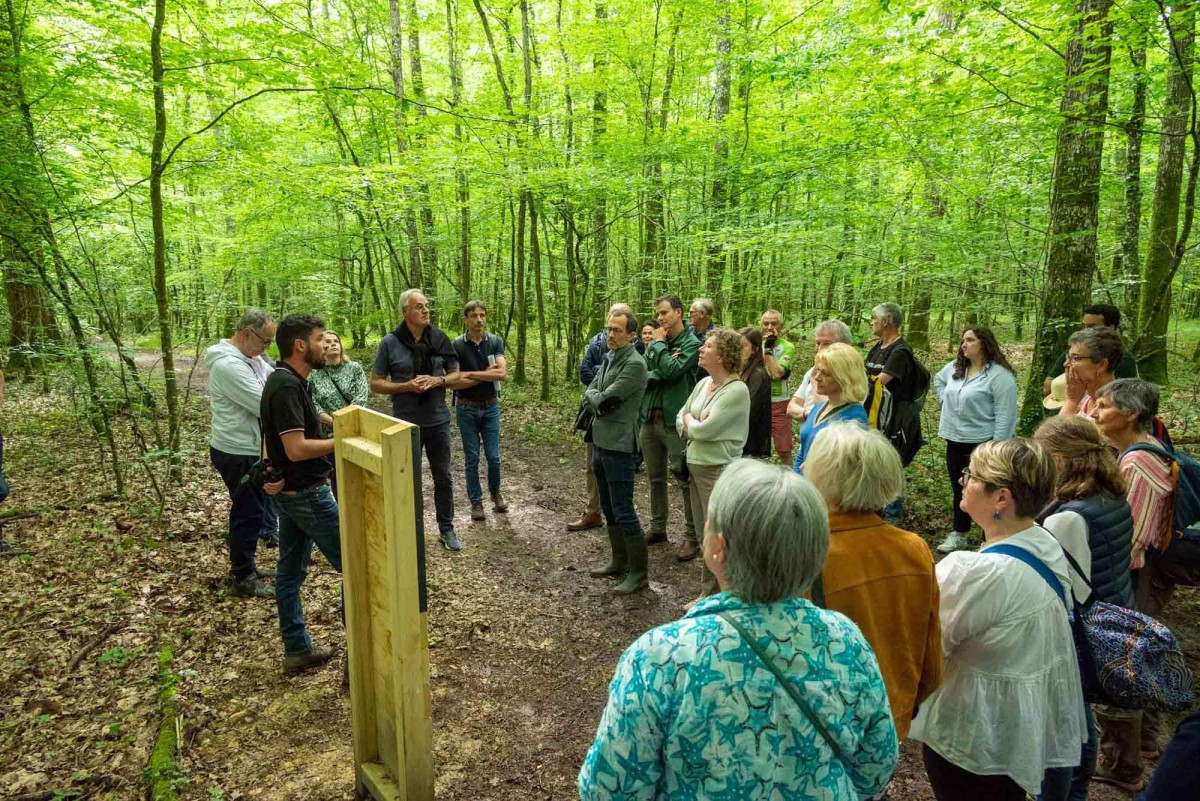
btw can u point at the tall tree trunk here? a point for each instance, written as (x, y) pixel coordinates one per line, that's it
(161, 296)
(416, 277)
(522, 311)
(1131, 229)
(462, 186)
(535, 256)
(428, 240)
(1075, 197)
(600, 278)
(1154, 309)
(718, 195)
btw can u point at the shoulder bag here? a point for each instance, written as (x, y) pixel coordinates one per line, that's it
(1126, 659)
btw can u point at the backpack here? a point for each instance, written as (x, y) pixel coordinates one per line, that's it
(900, 421)
(1183, 546)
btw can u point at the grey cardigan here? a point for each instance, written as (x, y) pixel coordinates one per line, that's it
(615, 394)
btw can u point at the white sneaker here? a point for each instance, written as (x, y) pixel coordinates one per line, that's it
(953, 542)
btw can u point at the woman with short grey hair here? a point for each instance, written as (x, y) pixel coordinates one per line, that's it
(877, 575)
(1092, 358)
(1124, 410)
(741, 668)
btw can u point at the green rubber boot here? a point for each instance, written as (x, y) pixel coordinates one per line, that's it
(635, 547)
(619, 562)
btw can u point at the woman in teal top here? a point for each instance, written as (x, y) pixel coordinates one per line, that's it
(340, 383)
(756, 694)
(841, 376)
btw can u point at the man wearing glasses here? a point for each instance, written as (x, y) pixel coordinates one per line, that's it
(237, 374)
(415, 364)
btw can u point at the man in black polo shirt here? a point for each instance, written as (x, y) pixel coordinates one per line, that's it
(477, 403)
(308, 512)
(415, 364)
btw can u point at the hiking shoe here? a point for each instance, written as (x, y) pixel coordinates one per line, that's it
(449, 540)
(656, 537)
(477, 512)
(266, 572)
(252, 587)
(270, 539)
(954, 542)
(298, 663)
(586, 522)
(498, 503)
(688, 551)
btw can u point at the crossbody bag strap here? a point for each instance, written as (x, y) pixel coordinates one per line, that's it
(792, 692)
(1022, 555)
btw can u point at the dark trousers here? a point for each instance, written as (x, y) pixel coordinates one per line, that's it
(247, 510)
(436, 442)
(952, 783)
(614, 476)
(308, 518)
(958, 458)
(1178, 772)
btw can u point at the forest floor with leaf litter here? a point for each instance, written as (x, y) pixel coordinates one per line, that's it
(522, 641)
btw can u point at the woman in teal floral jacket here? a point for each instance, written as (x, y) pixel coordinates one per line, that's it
(756, 694)
(337, 385)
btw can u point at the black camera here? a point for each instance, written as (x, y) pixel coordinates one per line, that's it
(262, 472)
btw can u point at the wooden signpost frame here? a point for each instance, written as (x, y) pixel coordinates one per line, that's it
(383, 564)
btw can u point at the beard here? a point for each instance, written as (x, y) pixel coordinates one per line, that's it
(315, 358)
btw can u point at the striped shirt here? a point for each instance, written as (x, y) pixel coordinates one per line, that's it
(1149, 493)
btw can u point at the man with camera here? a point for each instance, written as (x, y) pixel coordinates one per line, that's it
(308, 512)
(237, 374)
(778, 352)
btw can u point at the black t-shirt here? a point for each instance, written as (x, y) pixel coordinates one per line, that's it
(474, 358)
(896, 360)
(287, 406)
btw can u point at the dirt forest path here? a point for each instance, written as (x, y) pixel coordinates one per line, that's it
(522, 646)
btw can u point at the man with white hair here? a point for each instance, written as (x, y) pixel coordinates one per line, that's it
(415, 364)
(825, 334)
(237, 374)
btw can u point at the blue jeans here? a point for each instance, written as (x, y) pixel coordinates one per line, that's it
(1071, 784)
(477, 424)
(308, 518)
(614, 475)
(247, 510)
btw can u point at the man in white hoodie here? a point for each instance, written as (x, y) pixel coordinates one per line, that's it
(237, 374)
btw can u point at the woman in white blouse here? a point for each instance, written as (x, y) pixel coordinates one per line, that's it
(1011, 705)
(978, 394)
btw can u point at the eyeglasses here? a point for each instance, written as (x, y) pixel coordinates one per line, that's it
(266, 343)
(966, 475)
(1075, 358)
(421, 307)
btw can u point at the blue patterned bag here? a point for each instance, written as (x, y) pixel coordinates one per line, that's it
(1126, 659)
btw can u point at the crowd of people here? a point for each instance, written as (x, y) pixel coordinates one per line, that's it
(823, 634)
(812, 595)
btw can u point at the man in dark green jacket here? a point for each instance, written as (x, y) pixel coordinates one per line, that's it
(671, 374)
(614, 397)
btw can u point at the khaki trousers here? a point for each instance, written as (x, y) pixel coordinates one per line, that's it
(662, 449)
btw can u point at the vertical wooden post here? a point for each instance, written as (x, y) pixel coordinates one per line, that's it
(383, 562)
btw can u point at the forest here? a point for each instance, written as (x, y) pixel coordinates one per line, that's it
(164, 166)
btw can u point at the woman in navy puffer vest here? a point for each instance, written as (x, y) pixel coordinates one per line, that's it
(1091, 520)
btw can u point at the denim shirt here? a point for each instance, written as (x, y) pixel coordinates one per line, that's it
(693, 713)
(978, 408)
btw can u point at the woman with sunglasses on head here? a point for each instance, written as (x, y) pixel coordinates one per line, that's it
(1010, 706)
(978, 394)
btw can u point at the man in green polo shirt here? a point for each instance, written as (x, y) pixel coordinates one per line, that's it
(778, 352)
(671, 361)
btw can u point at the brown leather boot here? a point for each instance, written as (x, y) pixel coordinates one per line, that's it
(586, 522)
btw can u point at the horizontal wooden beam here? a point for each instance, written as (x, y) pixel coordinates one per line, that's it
(363, 452)
(381, 786)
